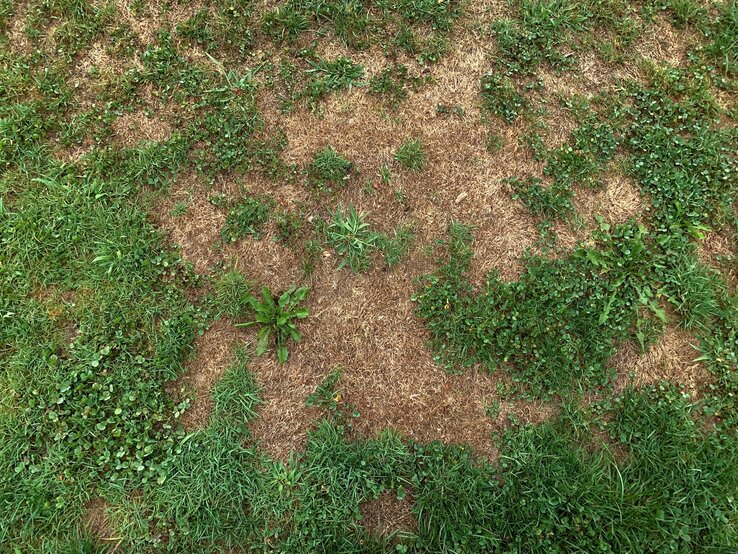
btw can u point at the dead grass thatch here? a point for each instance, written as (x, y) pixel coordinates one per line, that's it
(387, 515)
(672, 359)
(213, 353)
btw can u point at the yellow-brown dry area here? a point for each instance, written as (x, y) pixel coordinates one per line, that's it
(213, 353)
(671, 358)
(719, 250)
(97, 520)
(197, 230)
(388, 515)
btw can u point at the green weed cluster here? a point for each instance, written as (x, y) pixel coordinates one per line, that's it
(352, 238)
(247, 216)
(329, 170)
(355, 241)
(555, 328)
(227, 28)
(557, 484)
(276, 317)
(574, 164)
(546, 32)
(685, 166)
(411, 155)
(393, 83)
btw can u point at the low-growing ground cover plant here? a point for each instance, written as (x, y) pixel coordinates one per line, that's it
(558, 325)
(246, 217)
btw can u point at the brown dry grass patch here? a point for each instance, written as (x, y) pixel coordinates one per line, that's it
(213, 354)
(97, 520)
(284, 419)
(671, 358)
(387, 515)
(95, 78)
(134, 127)
(145, 23)
(365, 325)
(358, 127)
(197, 231)
(717, 250)
(663, 43)
(15, 30)
(618, 201)
(265, 261)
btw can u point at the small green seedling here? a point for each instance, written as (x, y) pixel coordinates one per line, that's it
(493, 143)
(326, 395)
(179, 209)
(501, 97)
(493, 409)
(276, 317)
(385, 174)
(397, 245)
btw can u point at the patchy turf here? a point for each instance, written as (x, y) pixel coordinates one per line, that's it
(382, 276)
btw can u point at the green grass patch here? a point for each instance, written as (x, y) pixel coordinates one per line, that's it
(555, 328)
(247, 217)
(411, 156)
(329, 170)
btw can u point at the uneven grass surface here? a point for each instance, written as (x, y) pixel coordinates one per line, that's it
(368, 276)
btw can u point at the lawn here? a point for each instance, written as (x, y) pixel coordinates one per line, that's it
(363, 276)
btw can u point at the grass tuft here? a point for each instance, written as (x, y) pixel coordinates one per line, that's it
(411, 155)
